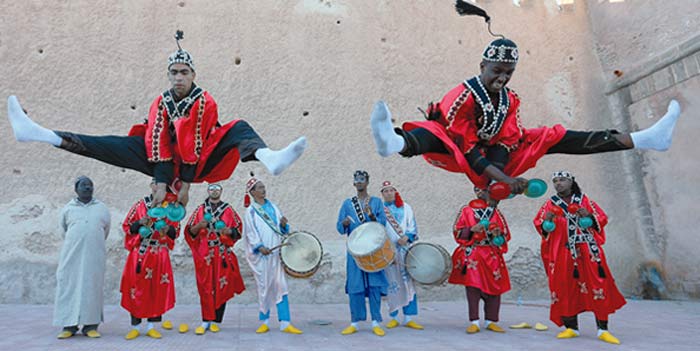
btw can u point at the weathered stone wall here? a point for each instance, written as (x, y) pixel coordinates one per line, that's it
(655, 62)
(311, 67)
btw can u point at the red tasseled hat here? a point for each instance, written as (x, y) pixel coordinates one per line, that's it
(248, 187)
(398, 200)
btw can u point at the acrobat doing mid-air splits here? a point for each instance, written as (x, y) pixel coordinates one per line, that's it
(476, 130)
(181, 138)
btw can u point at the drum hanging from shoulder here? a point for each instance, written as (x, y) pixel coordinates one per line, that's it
(370, 247)
(428, 264)
(301, 254)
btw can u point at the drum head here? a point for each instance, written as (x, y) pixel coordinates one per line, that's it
(303, 252)
(427, 263)
(366, 239)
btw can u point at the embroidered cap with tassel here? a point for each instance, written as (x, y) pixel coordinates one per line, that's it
(180, 56)
(248, 187)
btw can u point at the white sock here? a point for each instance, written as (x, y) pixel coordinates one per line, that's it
(386, 140)
(354, 324)
(266, 322)
(284, 325)
(205, 325)
(277, 161)
(406, 319)
(476, 323)
(149, 326)
(375, 324)
(601, 331)
(136, 327)
(487, 323)
(659, 136)
(27, 130)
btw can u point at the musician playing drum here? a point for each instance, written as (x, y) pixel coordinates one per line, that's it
(263, 228)
(402, 231)
(355, 211)
(482, 234)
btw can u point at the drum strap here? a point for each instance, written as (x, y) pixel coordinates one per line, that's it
(358, 209)
(394, 224)
(266, 218)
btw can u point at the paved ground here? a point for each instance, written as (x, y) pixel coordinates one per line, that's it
(640, 325)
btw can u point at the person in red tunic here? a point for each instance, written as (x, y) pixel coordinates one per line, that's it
(180, 139)
(572, 227)
(476, 129)
(212, 230)
(477, 263)
(147, 286)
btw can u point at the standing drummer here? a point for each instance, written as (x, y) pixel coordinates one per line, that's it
(264, 226)
(355, 211)
(402, 231)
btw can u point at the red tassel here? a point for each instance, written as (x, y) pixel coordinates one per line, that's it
(398, 200)
(246, 201)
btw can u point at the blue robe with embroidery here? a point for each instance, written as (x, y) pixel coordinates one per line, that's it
(357, 280)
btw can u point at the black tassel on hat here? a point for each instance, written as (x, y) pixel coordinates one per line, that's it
(464, 8)
(179, 35)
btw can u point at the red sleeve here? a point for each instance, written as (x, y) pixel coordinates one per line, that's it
(193, 131)
(540, 217)
(464, 220)
(195, 218)
(458, 117)
(157, 138)
(599, 217)
(131, 240)
(505, 231)
(232, 220)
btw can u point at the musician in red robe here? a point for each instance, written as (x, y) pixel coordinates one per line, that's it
(476, 129)
(147, 286)
(212, 230)
(572, 227)
(477, 263)
(180, 139)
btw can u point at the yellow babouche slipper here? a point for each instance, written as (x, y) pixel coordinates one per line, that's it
(132, 334)
(167, 325)
(154, 333)
(65, 334)
(392, 324)
(523, 325)
(609, 338)
(214, 328)
(93, 334)
(541, 327)
(183, 328)
(495, 328)
(292, 330)
(263, 328)
(472, 329)
(413, 325)
(349, 330)
(568, 333)
(378, 331)
(199, 330)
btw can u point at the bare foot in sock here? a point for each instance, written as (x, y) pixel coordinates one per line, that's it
(24, 128)
(386, 140)
(660, 135)
(277, 161)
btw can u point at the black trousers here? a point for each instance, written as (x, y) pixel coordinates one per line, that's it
(572, 323)
(420, 141)
(137, 321)
(219, 314)
(130, 152)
